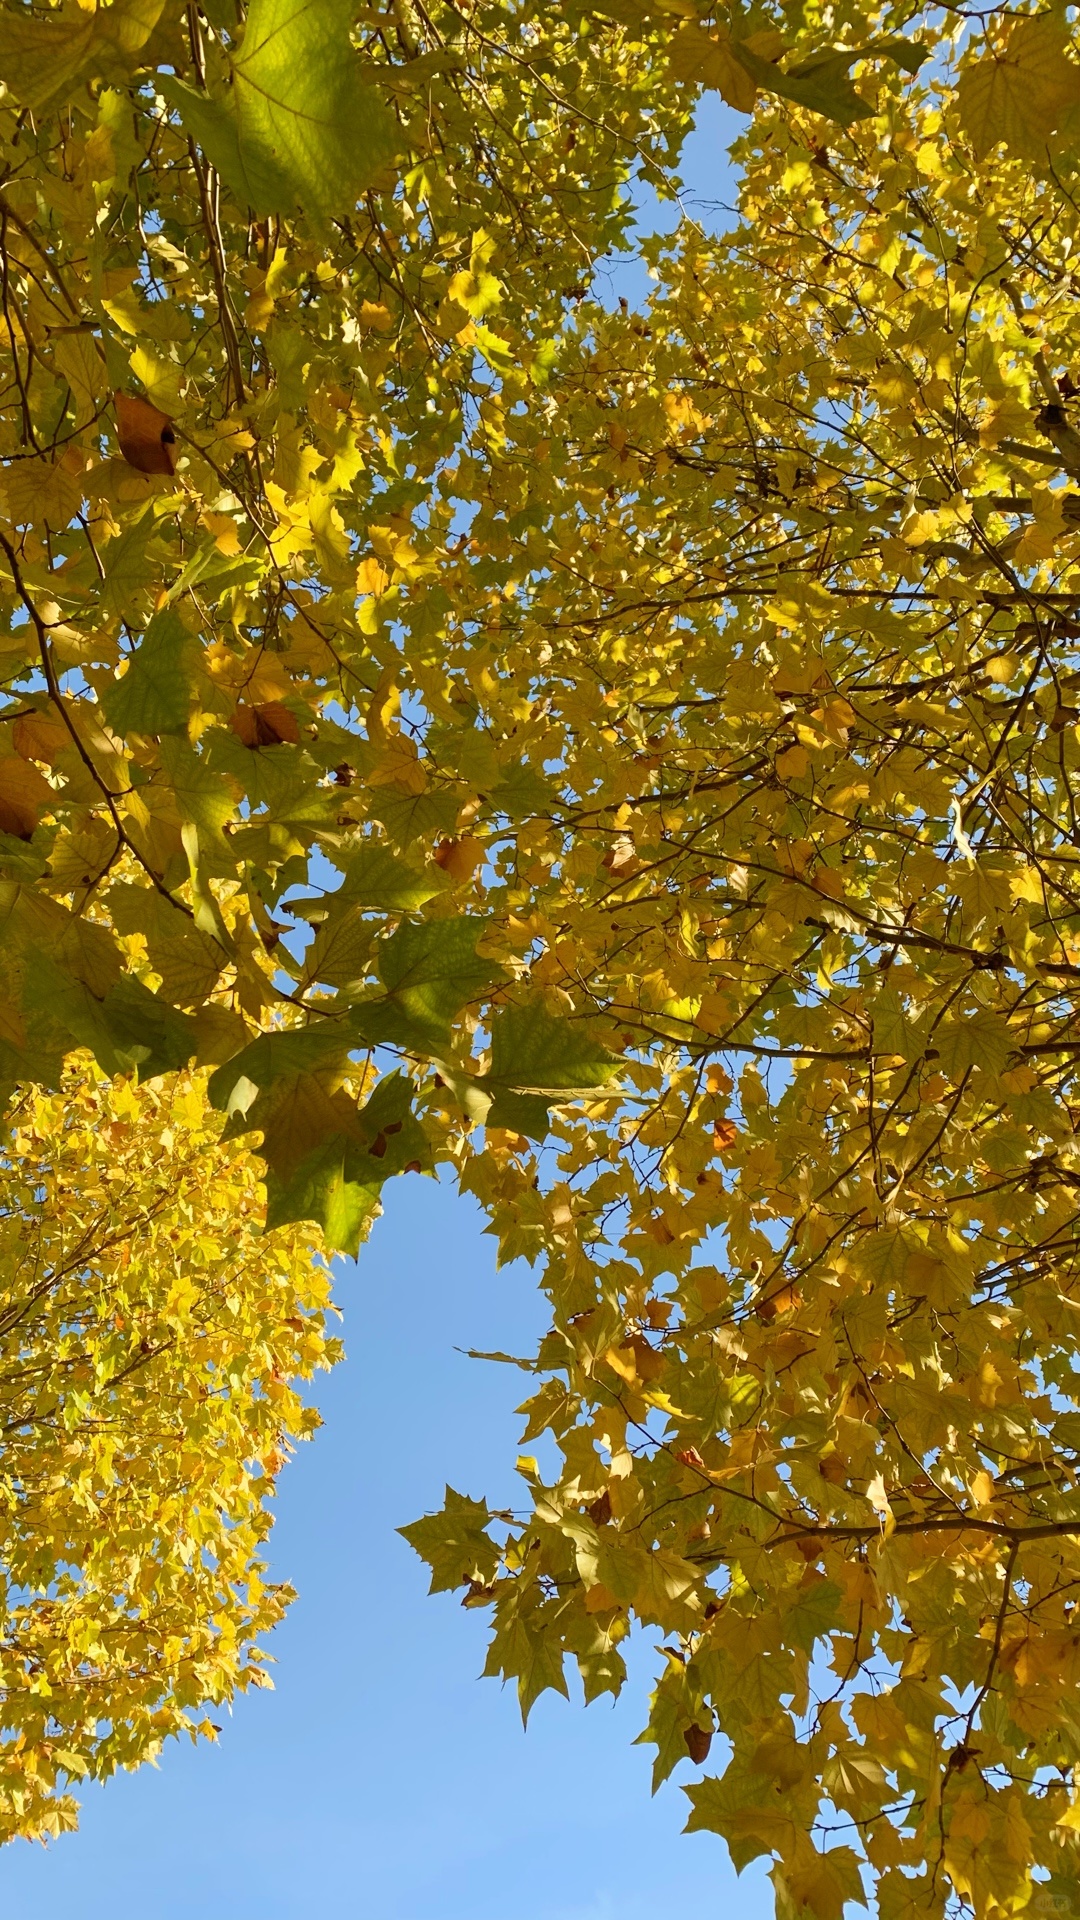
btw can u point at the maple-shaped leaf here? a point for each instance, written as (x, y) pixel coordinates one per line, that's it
(302, 121)
(127, 1028)
(44, 60)
(428, 973)
(158, 691)
(534, 1055)
(822, 83)
(374, 880)
(533, 1047)
(455, 1543)
(1017, 93)
(237, 1084)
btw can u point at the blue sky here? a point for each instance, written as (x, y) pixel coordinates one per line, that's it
(382, 1778)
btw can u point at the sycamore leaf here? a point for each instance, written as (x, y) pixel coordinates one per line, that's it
(157, 693)
(982, 1039)
(128, 1029)
(533, 1048)
(304, 121)
(334, 1185)
(340, 953)
(823, 83)
(894, 1029)
(44, 60)
(376, 880)
(128, 565)
(904, 1897)
(1018, 93)
(823, 1885)
(709, 59)
(428, 972)
(236, 1085)
(521, 1650)
(455, 1543)
(725, 1806)
(535, 1054)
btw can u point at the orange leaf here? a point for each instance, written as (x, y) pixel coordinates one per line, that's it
(268, 725)
(459, 858)
(145, 433)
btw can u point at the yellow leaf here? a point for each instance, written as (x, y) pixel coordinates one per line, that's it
(707, 59)
(1018, 93)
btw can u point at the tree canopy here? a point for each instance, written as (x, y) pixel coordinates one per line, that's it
(666, 724)
(151, 1338)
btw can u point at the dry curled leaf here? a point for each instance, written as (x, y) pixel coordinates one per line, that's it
(146, 436)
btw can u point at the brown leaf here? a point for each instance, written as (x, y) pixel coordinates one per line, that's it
(698, 1741)
(24, 795)
(268, 725)
(690, 1457)
(784, 1300)
(146, 436)
(459, 858)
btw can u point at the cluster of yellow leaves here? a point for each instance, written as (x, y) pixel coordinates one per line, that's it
(797, 620)
(151, 1341)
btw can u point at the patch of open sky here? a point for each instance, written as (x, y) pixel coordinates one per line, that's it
(707, 196)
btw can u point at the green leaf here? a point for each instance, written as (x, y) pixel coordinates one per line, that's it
(376, 881)
(147, 1031)
(328, 1187)
(527, 1113)
(454, 1543)
(527, 1647)
(823, 83)
(390, 1130)
(337, 1180)
(209, 567)
(201, 796)
(130, 1028)
(128, 564)
(894, 1030)
(812, 1612)
(535, 1054)
(379, 881)
(187, 959)
(410, 817)
(156, 694)
(825, 88)
(673, 1707)
(236, 1085)
(303, 123)
(534, 1049)
(341, 950)
(430, 972)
